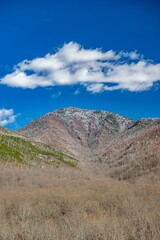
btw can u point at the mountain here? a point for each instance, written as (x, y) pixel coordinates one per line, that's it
(15, 147)
(129, 148)
(136, 152)
(81, 133)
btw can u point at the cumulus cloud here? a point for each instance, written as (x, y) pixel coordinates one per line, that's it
(96, 70)
(7, 116)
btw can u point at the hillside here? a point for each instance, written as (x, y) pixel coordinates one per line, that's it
(43, 197)
(19, 149)
(130, 148)
(136, 152)
(79, 132)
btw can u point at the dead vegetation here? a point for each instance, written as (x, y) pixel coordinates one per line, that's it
(80, 203)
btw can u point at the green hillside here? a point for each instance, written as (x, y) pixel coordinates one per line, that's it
(23, 151)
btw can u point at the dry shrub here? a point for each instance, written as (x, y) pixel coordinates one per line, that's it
(81, 204)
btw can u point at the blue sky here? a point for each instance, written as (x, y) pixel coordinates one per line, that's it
(101, 55)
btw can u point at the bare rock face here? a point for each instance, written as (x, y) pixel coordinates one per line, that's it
(129, 147)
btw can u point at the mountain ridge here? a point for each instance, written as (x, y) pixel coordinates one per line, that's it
(95, 136)
(81, 127)
(127, 148)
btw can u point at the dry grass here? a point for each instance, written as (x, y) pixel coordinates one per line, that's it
(75, 204)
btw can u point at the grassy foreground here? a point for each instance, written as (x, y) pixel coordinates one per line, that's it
(75, 204)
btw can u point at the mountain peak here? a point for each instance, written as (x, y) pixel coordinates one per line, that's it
(98, 136)
(77, 130)
(75, 110)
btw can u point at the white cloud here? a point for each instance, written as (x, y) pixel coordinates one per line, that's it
(97, 70)
(95, 87)
(6, 116)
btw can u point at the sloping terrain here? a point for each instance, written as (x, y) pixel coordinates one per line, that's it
(135, 152)
(130, 148)
(22, 150)
(82, 133)
(83, 202)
